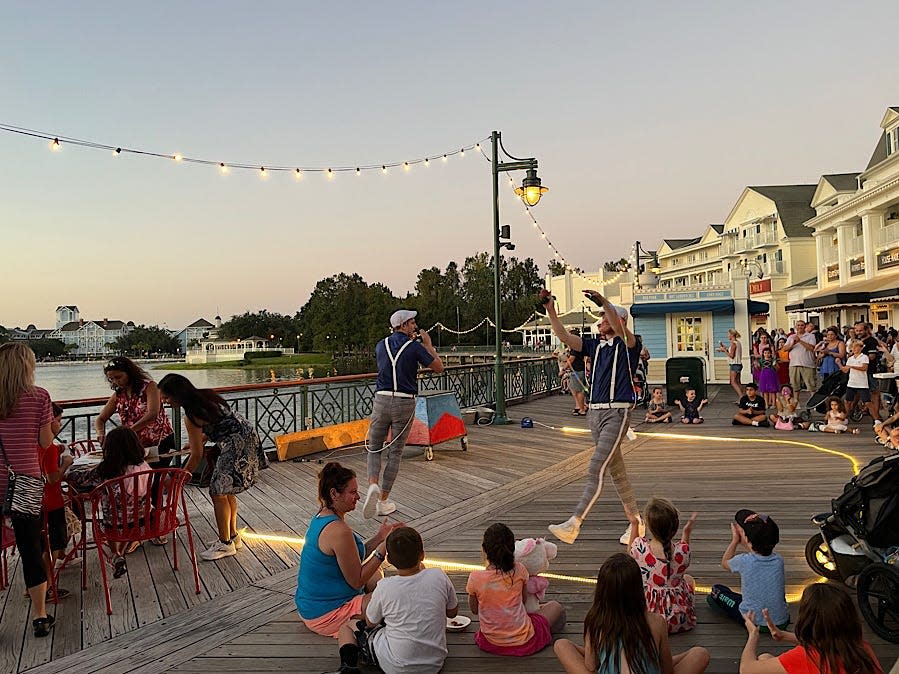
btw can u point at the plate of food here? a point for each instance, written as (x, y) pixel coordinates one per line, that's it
(457, 624)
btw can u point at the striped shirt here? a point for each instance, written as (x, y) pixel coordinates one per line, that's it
(19, 434)
(613, 367)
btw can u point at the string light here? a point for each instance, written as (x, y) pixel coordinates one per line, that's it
(223, 168)
(262, 173)
(298, 174)
(330, 174)
(55, 143)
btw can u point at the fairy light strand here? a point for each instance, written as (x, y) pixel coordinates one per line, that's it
(57, 141)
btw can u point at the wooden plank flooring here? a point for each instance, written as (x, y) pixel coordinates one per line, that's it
(244, 619)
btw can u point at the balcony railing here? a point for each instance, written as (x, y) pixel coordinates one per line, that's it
(888, 235)
(286, 407)
(733, 245)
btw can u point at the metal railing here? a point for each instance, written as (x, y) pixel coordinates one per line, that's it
(286, 407)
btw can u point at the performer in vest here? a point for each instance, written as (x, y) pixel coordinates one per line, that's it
(393, 408)
(615, 354)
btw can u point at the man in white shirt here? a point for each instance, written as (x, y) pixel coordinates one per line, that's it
(801, 347)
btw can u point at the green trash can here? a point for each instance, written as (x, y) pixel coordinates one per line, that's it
(684, 372)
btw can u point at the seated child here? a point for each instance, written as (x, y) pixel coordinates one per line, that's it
(405, 621)
(785, 404)
(835, 420)
(657, 411)
(752, 409)
(761, 572)
(690, 407)
(496, 595)
(663, 563)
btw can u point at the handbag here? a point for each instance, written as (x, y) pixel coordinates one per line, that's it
(24, 493)
(783, 424)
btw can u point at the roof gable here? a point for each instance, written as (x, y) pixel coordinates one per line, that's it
(833, 184)
(201, 323)
(793, 205)
(674, 244)
(889, 117)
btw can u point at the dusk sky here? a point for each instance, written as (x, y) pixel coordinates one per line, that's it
(647, 118)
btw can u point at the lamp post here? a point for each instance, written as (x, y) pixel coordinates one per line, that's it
(530, 192)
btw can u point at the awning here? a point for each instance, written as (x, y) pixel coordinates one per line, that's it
(856, 293)
(655, 308)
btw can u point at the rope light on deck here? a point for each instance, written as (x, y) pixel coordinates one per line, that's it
(263, 169)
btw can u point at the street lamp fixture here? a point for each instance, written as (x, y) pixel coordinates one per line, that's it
(745, 263)
(530, 192)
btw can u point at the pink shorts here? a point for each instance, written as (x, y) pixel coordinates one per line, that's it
(541, 639)
(329, 624)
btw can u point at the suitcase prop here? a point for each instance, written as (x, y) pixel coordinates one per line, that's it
(437, 419)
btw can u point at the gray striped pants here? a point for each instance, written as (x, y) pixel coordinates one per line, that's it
(608, 428)
(388, 413)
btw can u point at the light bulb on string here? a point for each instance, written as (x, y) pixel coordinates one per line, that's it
(477, 147)
(462, 153)
(298, 174)
(384, 170)
(406, 166)
(54, 145)
(444, 157)
(358, 172)
(117, 152)
(224, 169)
(262, 173)
(427, 162)
(177, 157)
(330, 174)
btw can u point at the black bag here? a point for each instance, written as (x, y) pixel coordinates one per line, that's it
(202, 474)
(24, 494)
(869, 504)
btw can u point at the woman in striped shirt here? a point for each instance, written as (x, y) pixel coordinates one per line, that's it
(25, 418)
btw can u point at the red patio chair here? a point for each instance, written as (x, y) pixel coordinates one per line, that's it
(7, 545)
(81, 447)
(121, 514)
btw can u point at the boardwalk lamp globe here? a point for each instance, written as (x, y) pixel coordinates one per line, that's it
(530, 192)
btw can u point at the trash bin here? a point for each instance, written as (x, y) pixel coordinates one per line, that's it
(684, 372)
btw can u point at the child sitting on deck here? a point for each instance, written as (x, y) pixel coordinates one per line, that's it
(496, 595)
(690, 407)
(835, 420)
(657, 411)
(752, 409)
(405, 622)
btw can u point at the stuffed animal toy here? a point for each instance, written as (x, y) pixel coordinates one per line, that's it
(534, 554)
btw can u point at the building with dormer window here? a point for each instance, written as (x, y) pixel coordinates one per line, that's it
(856, 229)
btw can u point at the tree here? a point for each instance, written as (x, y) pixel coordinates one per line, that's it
(141, 340)
(43, 348)
(261, 324)
(556, 268)
(616, 265)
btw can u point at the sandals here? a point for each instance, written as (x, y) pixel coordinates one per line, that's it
(132, 546)
(120, 568)
(42, 626)
(162, 540)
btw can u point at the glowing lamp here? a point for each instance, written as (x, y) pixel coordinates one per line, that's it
(531, 190)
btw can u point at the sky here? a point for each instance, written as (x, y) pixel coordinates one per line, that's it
(647, 119)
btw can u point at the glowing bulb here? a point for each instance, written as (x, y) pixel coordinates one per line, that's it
(330, 174)
(358, 172)
(54, 145)
(262, 174)
(462, 152)
(117, 152)
(223, 169)
(383, 169)
(406, 166)
(427, 162)
(444, 157)
(177, 157)
(477, 147)
(298, 174)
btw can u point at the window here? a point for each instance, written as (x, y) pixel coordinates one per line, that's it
(778, 255)
(689, 334)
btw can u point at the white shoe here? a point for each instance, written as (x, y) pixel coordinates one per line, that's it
(238, 544)
(218, 550)
(385, 507)
(568, 531)
(626, 536)
(371, 501)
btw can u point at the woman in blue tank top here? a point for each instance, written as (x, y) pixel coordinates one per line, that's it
(618, 629)
(338, 570)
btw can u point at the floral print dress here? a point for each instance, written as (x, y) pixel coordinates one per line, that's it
(241, 454)
(667, 591)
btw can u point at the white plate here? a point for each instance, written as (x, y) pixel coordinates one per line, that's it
(457, 624)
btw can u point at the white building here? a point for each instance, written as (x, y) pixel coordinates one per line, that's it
(200, 329)
(92, 338)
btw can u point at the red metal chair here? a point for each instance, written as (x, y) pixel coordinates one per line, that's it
(124, 511)
(7, 545)
(81, 447)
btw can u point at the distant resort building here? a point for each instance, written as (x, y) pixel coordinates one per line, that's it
(221, 350)
(200, 329)
(88, 338)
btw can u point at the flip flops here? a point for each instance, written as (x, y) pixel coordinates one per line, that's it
(132, 546)
(162, 540)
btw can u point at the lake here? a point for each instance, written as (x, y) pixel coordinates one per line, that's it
(75, 381)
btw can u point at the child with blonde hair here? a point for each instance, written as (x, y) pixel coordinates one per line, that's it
(664, 563)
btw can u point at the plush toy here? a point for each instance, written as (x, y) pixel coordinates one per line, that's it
(534, 554)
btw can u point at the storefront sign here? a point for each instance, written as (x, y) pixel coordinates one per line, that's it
(888, 258)
(759, 287)
(857, 266)
(683, 296)
(833, 272)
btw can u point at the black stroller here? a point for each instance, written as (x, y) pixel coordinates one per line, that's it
(833, 385)
(859, 540)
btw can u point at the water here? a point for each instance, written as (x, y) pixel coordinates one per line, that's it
(76, 381)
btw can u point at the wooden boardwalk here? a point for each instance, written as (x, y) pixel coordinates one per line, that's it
(245, 619)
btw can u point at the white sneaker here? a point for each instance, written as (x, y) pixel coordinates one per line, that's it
(568, 531)
(218, 550)
(371, 501)
(626, 536)
(238, 544)
(385, 507)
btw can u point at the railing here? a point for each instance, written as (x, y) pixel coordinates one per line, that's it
(855, 245)
(887, 235)
(286, 407)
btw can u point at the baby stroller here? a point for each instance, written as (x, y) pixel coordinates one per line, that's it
(641, 396)
(859, 539)
(833, 385)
